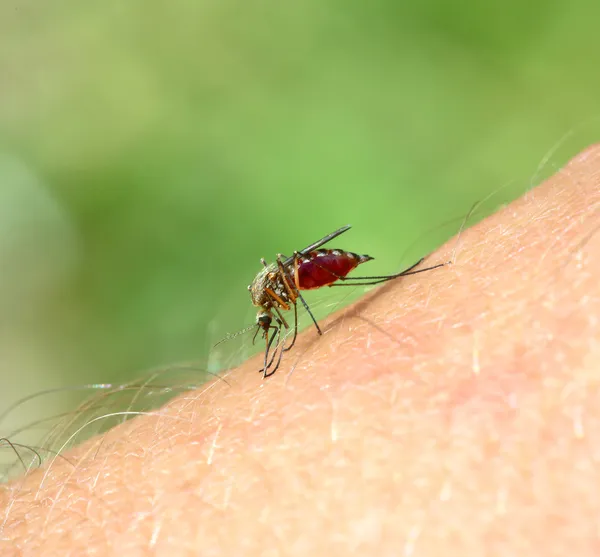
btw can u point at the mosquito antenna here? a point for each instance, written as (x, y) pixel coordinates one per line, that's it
(230, 336)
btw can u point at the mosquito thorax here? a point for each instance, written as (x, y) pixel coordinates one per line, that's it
(268, 279)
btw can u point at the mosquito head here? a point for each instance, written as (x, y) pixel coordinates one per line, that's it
(264, 319)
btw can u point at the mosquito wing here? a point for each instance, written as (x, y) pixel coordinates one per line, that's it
(318, 244)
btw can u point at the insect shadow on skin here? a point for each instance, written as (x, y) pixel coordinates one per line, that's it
(277, 287)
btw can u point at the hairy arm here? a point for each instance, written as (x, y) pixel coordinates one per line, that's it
(456, 410)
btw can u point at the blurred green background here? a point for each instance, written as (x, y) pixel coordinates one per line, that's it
(152, 152)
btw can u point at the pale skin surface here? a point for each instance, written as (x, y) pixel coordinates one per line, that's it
(454, 412)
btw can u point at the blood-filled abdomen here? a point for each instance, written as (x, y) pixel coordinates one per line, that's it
(326, 266)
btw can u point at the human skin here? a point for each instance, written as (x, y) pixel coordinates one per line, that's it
(453, 412)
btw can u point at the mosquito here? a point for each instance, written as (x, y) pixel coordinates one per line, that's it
(277, 287)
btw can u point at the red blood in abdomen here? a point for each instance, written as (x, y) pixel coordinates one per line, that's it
(321, 270)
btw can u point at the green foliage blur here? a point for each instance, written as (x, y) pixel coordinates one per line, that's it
(152, 152)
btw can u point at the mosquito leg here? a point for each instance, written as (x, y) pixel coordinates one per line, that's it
(269, 341)
(285, 349)
(310, 313)
(274, 352)
(286, 325)
(408, 271)
(278, 301)
(377, 280)
(413, 266)
(284, 278)
(280, 320)
(265, 375)
(296, 294)
(296, 275)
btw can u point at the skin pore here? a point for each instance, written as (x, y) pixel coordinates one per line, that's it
(453, 412)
